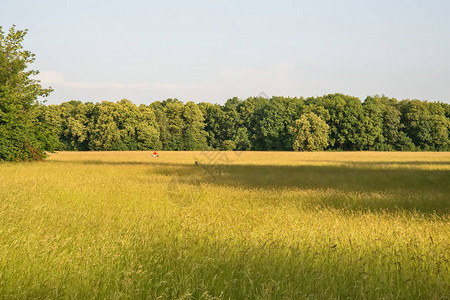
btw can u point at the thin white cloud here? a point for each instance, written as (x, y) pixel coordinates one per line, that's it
(279, 79)
(232, 81)
(57, 78)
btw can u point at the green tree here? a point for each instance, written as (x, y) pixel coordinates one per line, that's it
(214, 123)
(50, 117)
(194, 135)
(310, 133)
(165, 137)
(241, 140)
(22, 136)
(271, 123)
(122, 126)
(394, 137)
(75, 124)
(147, 130)
(426, 124)
(173, 109)
(372, 131)
(232, 121)
(256, 115)
(104, 131)
(347, 122)
(228, 145)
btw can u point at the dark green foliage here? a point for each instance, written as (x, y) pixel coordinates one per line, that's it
(241, 140)
(426, 124)
(194, 136)
(348, 124)
(271, 121)
(24, 136)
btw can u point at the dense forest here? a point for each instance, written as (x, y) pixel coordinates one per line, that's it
(331, 122)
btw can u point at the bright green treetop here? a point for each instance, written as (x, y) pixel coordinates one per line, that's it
(310, 133)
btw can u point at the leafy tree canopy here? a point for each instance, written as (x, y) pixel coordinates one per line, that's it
(310, 133)
(22, 136)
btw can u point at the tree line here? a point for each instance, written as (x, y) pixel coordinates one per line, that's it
(331, 122)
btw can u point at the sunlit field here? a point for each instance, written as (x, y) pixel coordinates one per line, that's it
(226, 225)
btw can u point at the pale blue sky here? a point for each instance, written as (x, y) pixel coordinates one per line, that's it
(214, 50)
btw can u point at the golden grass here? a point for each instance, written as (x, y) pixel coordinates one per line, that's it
(236, 225)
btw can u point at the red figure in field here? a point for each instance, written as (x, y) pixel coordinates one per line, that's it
(155, 154)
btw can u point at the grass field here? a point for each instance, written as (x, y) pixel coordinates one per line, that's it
(256, 225)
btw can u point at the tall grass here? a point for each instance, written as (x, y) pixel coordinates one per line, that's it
(251, 225)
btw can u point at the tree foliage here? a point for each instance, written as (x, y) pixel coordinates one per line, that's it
(310, 133)
(330, 122)
(23, 135)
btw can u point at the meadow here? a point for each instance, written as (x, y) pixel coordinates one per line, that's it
(226, 225)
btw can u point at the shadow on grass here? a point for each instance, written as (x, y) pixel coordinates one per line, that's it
(411, 189)
(357, 187)
(387, 163)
